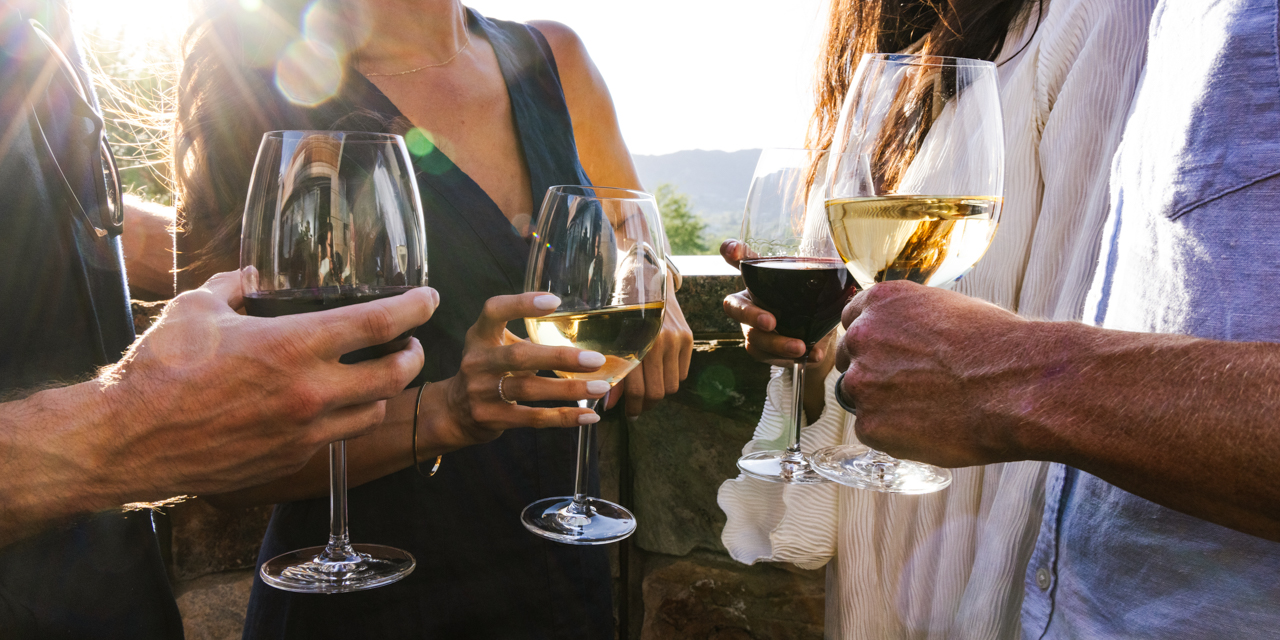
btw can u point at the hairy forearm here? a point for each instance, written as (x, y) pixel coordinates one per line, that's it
(51, 470)
(1187, 423)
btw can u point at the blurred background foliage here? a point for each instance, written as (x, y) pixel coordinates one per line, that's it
(685, 231)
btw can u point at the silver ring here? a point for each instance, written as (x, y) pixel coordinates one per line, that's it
(844, 404)
(502, 395)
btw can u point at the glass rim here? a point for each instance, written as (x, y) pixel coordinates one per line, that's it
(631, 194)
(925, 60)
(347, 136)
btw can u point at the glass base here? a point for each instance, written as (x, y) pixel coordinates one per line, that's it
(308, 571)
(601, 522)
(862, 467)
(772, 466)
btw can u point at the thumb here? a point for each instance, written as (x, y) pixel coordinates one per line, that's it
(229, 286)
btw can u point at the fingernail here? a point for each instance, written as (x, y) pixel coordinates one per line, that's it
(591, 359)
(546, 303)
(797, 348)
(589, 418)
(597, 387)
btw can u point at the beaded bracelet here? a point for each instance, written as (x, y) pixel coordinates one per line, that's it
(417, 407)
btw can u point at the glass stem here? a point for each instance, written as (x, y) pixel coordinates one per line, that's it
(797, 407)
(585, 433)
(339, 547)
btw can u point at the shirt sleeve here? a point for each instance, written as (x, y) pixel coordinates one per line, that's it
(785, 523)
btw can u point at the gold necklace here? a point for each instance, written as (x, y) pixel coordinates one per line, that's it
(425, 66)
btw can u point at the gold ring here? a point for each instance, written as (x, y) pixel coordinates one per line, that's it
(502, 395)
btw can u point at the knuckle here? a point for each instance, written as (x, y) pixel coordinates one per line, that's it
(472, 362)
(491, 308)
(567, 357)
(380, 324)
(519, 357)
(303, 403)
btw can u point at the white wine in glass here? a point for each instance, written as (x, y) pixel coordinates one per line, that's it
(602, 251)
(913, 192)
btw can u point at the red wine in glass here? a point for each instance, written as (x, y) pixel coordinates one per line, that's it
(271, 304)
(805, 295)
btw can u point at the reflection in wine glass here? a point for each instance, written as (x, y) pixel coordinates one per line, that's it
(601, 250)
(333, 218)
(913, 192)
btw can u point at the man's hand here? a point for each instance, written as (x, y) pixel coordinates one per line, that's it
(929, 371)
(210, 400)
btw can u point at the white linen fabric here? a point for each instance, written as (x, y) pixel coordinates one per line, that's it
(951, 564)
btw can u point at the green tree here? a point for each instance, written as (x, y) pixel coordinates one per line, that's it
(684, 229)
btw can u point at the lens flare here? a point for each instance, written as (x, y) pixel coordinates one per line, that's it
(308, 73)
(342, 31)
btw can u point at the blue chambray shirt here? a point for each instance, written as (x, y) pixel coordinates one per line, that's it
(1193, 247)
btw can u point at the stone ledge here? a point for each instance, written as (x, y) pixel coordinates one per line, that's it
(213, 607)
(708, 597)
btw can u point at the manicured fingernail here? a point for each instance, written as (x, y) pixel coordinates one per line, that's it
(597, 387)
(589, 418)
(591, 359)
(797, 348)
(546, 303)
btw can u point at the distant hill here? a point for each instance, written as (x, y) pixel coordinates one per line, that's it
(715, 181)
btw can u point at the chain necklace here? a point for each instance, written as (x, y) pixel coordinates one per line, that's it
(425, 66)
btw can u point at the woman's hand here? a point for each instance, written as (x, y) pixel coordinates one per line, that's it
(491, 351)
(758, 325)
(664, 367)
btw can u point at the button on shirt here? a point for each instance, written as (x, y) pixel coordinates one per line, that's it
(1192, 246)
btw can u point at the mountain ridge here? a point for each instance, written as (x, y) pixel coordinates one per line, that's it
(715, 181)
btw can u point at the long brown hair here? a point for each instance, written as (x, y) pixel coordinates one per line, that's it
(959, 28)
(226, 101)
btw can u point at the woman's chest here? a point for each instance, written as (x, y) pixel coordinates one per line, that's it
(470, 120)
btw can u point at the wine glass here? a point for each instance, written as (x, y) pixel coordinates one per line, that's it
(333, 218)
(792, 270)
(602, 251)
(914, 189)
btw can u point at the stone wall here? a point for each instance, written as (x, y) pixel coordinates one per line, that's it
(673, 577)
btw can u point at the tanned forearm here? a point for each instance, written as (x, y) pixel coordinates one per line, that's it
(52, 470)
(1190, 424)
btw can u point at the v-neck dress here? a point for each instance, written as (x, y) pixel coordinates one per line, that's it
(480, 574)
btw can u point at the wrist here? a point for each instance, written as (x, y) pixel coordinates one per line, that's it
(61, 456)
(1038, 405)
(451, 429)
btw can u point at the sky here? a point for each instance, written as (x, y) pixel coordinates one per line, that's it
(684, 74)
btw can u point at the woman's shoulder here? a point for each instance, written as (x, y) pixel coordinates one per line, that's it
(1081, 21)
(570, 53)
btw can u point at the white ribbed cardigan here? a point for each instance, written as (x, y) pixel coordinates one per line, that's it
(951, 564)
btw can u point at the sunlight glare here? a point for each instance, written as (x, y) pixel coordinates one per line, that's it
(134, 22)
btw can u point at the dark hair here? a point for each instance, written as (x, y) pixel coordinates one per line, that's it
(226, 100)
(957, 28)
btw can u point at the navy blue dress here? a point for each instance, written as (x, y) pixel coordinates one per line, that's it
(480, 573)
